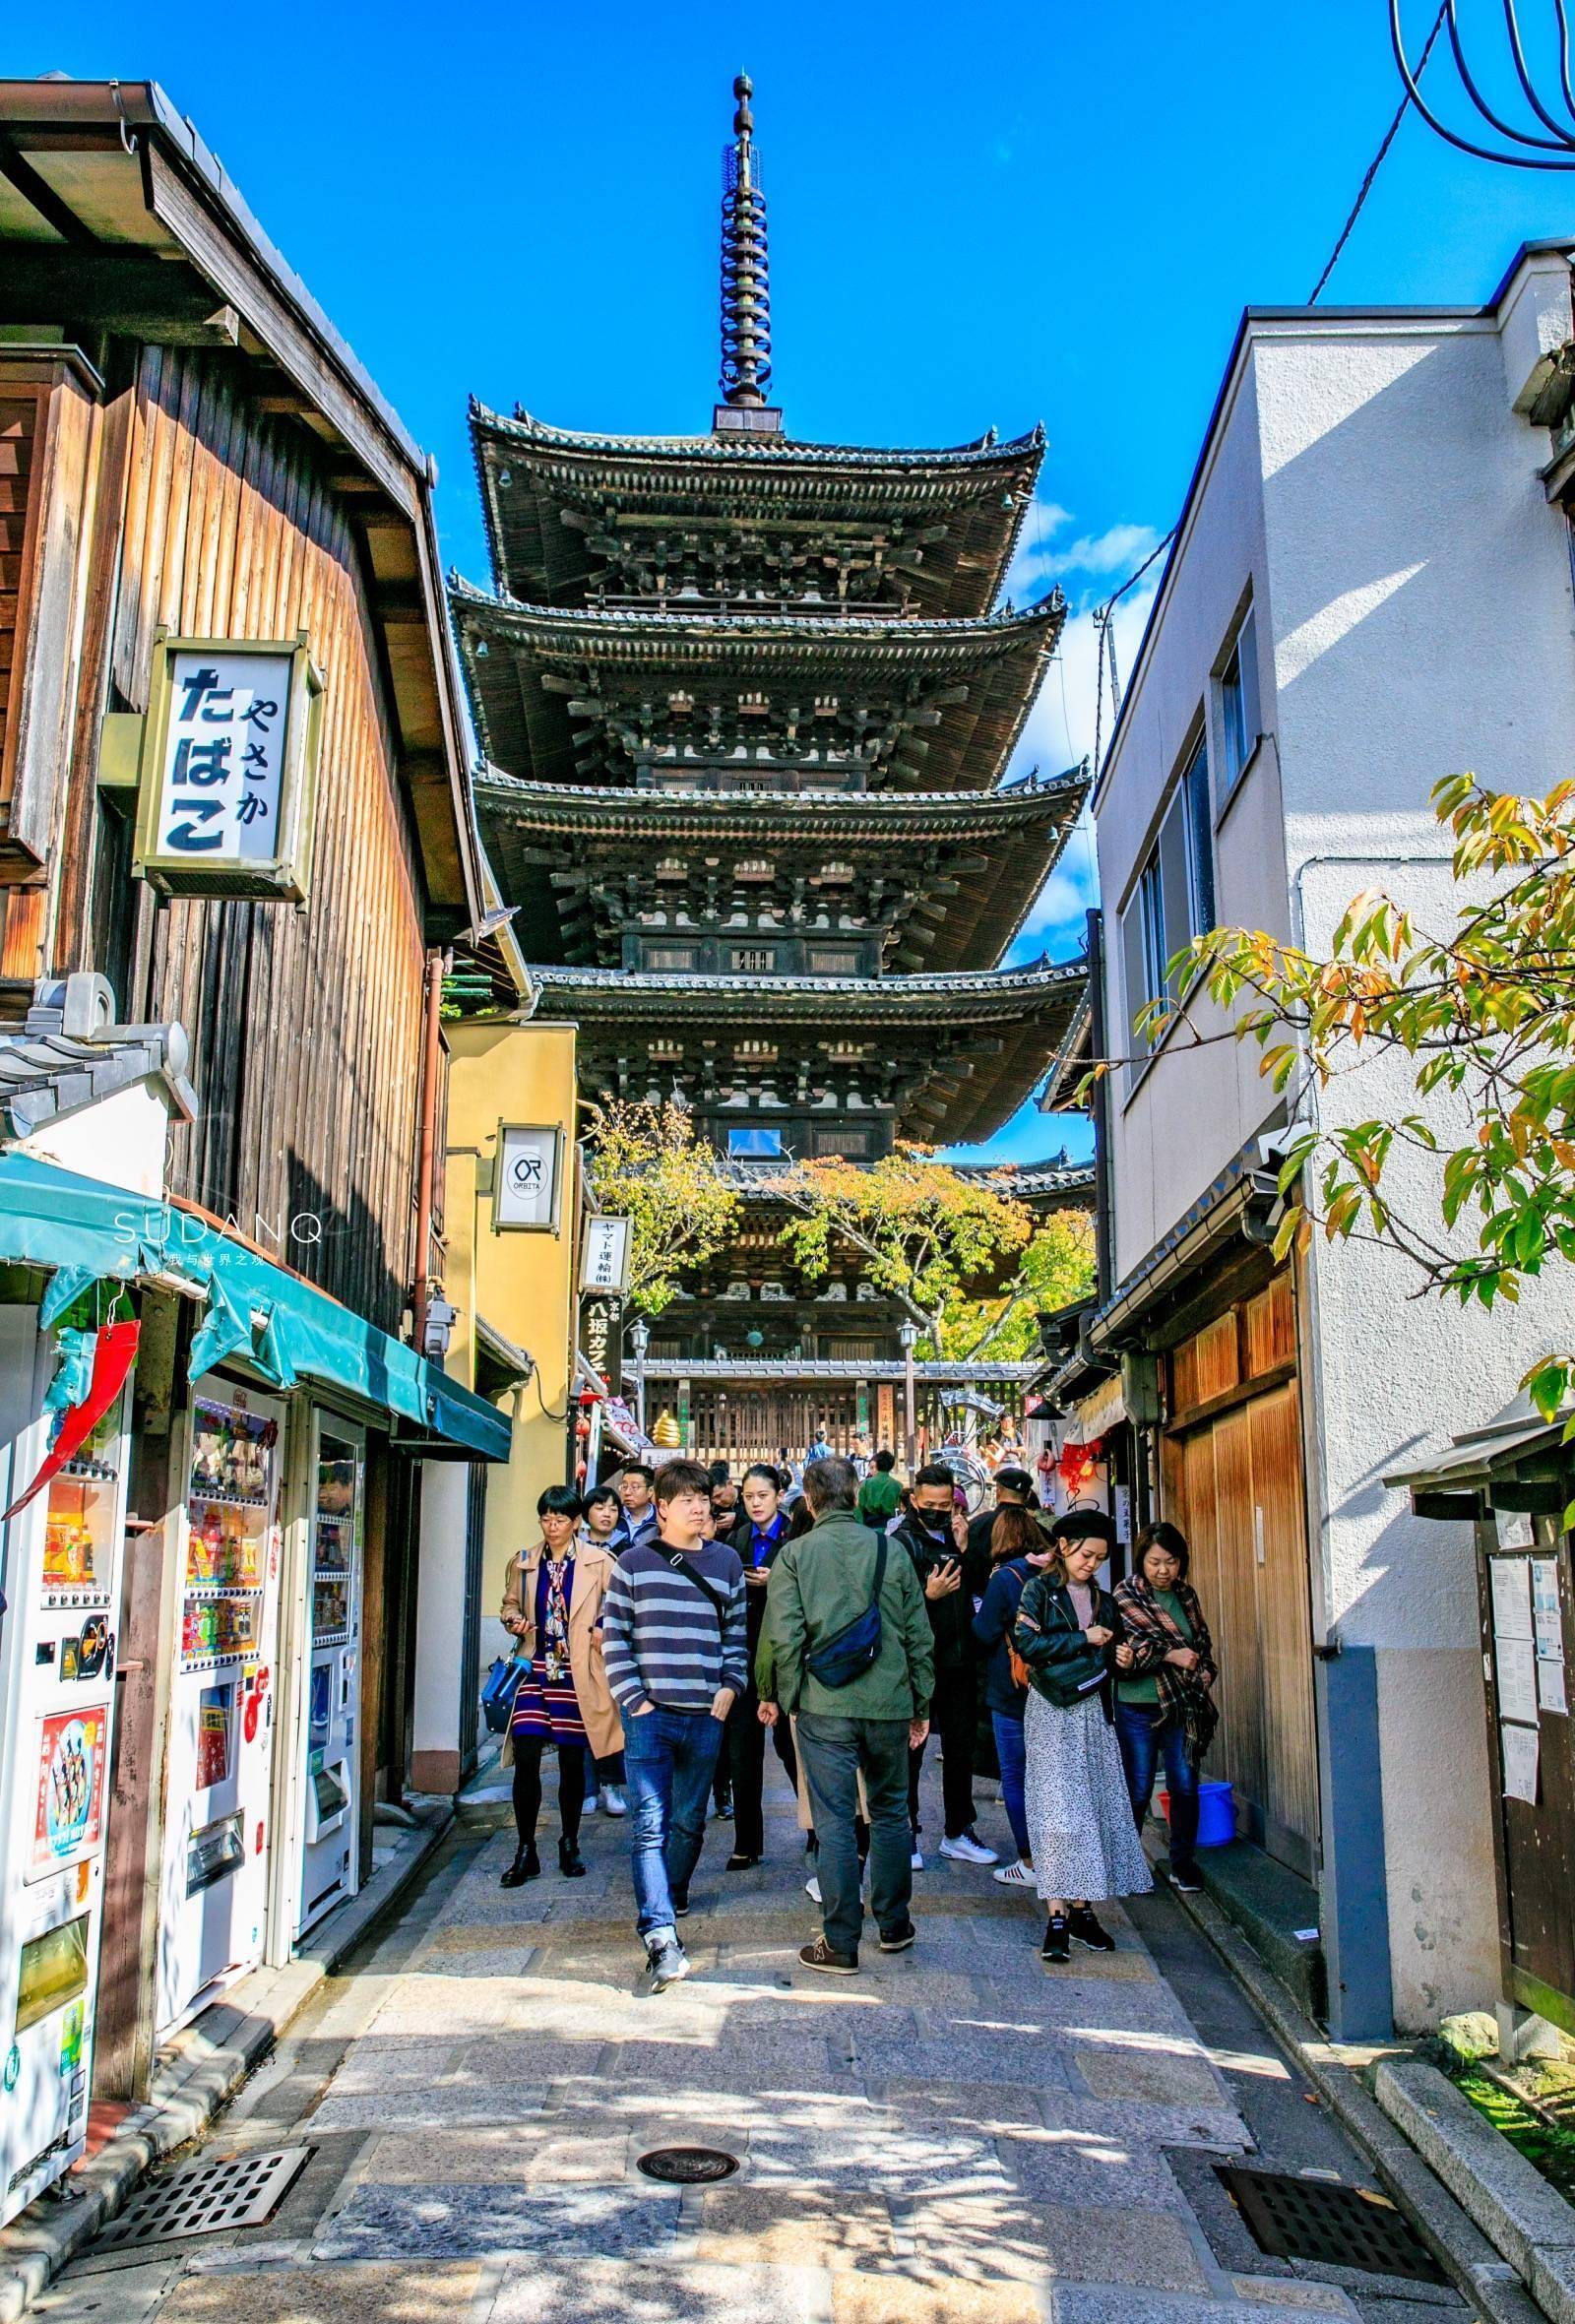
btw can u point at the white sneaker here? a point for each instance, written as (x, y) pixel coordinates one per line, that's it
(588, 1803)
(670, 1963)
(614, 1802)
(969, 1851)
(1018, 1875)
(916, 1860)
(812, 1887)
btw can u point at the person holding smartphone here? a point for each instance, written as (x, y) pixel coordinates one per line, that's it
(929, 1533)
(1069, 1633)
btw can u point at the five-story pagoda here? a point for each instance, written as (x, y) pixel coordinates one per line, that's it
(747, 713)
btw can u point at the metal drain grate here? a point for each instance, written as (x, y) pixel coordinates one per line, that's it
(688, 2166)
(1316, 2218)
(242, 2191)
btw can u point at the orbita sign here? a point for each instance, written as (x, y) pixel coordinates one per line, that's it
(525, 1179)
(228, 768)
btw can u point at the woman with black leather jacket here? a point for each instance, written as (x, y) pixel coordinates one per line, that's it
(1068, 1633)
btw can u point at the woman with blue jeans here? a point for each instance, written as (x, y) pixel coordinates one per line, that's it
(1164, 1702)
(1016, 1549)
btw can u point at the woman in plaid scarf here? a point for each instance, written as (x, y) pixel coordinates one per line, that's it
(1165, 1703)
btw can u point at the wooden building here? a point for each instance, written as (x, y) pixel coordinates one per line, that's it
(747, 704)
(189, 452)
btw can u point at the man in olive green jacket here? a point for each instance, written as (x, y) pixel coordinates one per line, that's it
(819, 1585)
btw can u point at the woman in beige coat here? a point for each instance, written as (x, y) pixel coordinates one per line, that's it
(553, 1608)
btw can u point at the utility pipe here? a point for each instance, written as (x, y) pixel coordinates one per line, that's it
(437, 968)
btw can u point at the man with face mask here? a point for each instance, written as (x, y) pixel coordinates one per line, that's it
(929, 1535)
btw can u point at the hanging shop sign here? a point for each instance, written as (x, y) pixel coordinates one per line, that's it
(524, 1182)
(227, 767)
(605, 1259)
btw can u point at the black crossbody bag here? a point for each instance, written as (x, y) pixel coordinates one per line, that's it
(855, 1648)
(682, 1563)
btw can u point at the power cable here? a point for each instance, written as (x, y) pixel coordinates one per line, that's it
(1377, 162)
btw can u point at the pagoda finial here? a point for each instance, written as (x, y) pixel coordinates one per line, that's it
(745, 285)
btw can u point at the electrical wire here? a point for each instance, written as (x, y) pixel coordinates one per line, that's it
(1377, 162)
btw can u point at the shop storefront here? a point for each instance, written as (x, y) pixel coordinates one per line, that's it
(245, 1629)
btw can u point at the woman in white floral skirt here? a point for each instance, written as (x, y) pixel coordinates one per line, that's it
(1068, 1636)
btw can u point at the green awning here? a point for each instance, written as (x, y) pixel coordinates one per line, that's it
(285, 1329)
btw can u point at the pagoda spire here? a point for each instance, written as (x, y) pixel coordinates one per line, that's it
(745, 278)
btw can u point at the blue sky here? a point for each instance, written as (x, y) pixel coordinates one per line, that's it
(1048, 213)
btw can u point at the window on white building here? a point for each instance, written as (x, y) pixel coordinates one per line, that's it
(1172, 900)
(1240, 718)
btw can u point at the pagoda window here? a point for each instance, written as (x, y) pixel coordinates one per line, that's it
(752, 959)
(834, 960)
(671, 958)
(852, 1141)
(752, 1142)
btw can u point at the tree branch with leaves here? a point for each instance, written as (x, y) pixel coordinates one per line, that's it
(648, 1167)
(923, 1229)
(1479, 1014)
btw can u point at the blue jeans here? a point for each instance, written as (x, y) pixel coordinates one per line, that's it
(672, 1756)
(1142, 1741)
(1013, 1760)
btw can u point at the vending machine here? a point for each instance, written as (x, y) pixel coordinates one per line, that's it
(217, 1813)
(60, 1575)
(329, 1796)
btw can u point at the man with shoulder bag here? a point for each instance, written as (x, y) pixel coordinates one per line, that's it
(847, 1640)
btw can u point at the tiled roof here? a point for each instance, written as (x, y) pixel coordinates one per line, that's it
(46, 1073)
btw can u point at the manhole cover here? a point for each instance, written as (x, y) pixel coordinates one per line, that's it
(240, 2192)
(688, 2166)
(1316, 2218)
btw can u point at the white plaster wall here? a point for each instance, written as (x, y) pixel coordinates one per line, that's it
(440, 1611)
(118, 1140)
(1195, 1106)
(1424, 624)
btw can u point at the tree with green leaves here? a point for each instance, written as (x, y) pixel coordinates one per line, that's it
(1478, 1014)
(648, 1167)
(923, 1231)
(1055, 1270)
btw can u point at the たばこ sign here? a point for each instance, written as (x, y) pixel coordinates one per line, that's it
(229, 754)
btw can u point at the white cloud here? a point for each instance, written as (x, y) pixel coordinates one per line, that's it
(1041, 560)
(1112, 551)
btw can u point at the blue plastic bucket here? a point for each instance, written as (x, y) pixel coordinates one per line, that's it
(1217, 1814)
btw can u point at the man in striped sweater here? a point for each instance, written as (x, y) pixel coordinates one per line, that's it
(675, 1642)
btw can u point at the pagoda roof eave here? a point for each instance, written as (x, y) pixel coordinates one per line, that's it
(757, 451)
(600, 634)
(844, 816)
(1001, 992)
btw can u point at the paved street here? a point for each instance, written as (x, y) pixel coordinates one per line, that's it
(957, 2135)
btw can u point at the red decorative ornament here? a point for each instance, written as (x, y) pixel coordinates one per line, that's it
(114, 1353)
(1079, 1461)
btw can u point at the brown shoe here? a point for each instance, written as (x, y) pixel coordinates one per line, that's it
(820, 1956)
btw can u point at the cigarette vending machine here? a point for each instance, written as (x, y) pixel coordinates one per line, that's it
(218, 1812)
(60, 1573)
(329, 1799)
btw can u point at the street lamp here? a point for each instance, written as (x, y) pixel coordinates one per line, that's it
(640, 1342)
(908, 1336)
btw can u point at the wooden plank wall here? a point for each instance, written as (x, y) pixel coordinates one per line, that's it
(305, 1024)
(1232, 1480)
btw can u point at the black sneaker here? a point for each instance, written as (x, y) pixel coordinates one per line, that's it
(1057, 1945)
(680, 1905)
(739, 1862)
(1082, 1925)
(821, 1956)
(898, 1939)
(1184, 1877)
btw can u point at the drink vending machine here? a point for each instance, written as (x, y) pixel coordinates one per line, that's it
(60, 1576)
(220, 1748)
(329, 1803)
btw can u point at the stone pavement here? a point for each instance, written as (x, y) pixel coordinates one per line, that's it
(957, 2136)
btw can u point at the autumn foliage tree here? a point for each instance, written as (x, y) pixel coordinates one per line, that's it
(1478, 1014)
(923, 1229)
(1055, 1270)
(648, 1167)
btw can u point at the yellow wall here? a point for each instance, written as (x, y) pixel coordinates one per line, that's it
(523, 1284)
